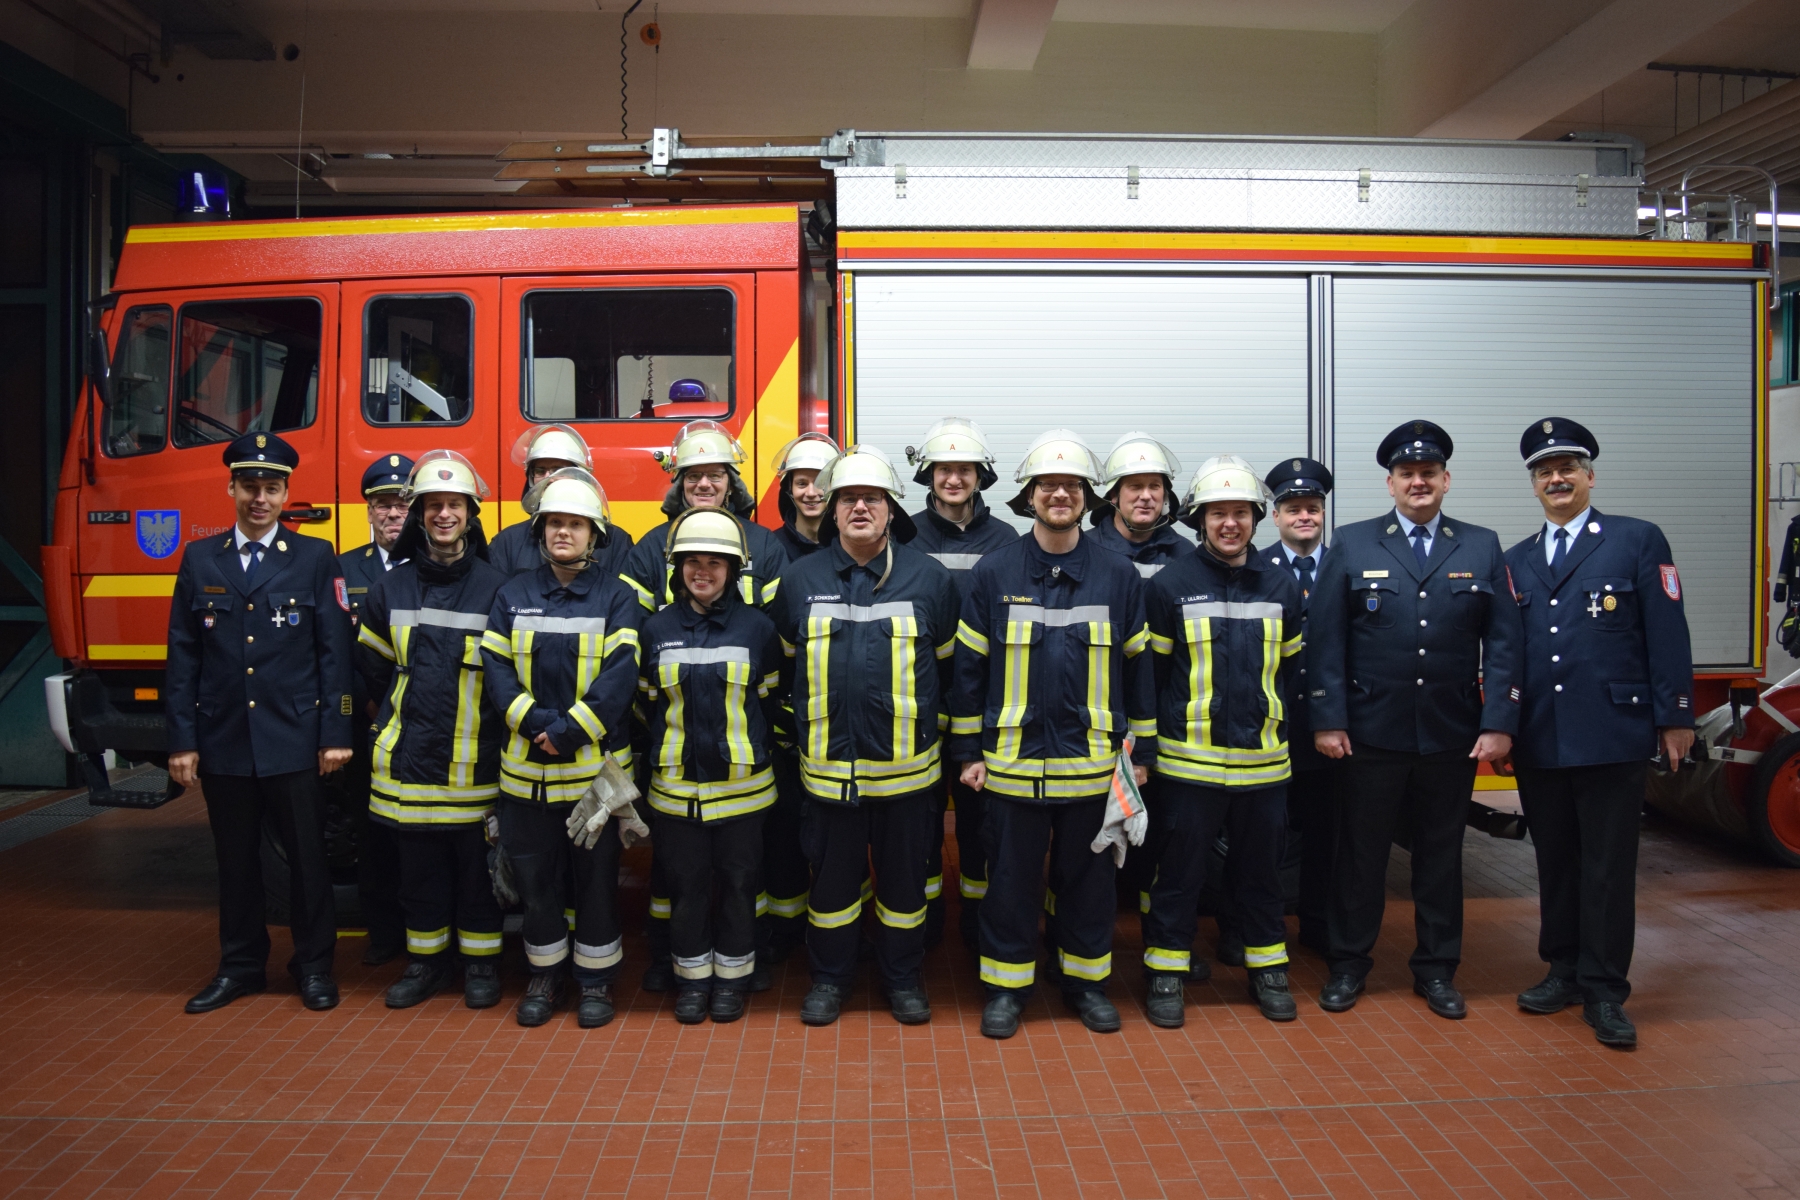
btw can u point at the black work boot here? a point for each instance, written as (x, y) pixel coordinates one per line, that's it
(481, 984)
(596, 1007)
(1199, 970)
(1551, 996)
(910, 1006)
(423, 979)
(659, 976)
(1094, 1009)
(823, 1004)
(1270, 991)
(727, 1004)
(692, 1002)
(543, 996)
(1166, 1005)
(1000, 1019)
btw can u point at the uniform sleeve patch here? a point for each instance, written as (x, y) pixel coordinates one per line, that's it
(1510, 585)
(1671, 580)
(344, 706)
(1515, 694)
(343, 593)
(1681, 701)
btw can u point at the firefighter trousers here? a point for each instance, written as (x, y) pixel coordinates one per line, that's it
(786, 878)
(444, 885)
(841, 842)
(377, 857)
(1188, 818)
(236, 807)
(971, 859)
(713, 937)
(552, 873)
(656, 921)
(1018, 835)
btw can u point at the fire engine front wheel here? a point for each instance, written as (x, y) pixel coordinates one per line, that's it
(1772, 804)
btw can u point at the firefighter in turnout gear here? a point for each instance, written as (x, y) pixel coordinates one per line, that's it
(541, 450)
(1051, 674)
(1224, 626)
(1787, 590)
(704, 460)
(786, 878)
(956, 527)
(711, 669)
(1136, 516)
(1608, 678)
(377, 854)
(1298, 487)
(1412, 656)
(802, 504)
(868, 626)
(436, 757)
(561, 650)
(258, 708)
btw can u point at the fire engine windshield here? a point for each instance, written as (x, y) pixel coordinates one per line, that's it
(246, 365)
(607, 353)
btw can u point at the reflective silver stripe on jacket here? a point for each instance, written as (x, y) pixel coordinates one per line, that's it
(1080, 615)
(958, 562)
(442, 617)
(593, 625)
(863, 612)
(1232, 610)
(1148, 569)
(703, 655)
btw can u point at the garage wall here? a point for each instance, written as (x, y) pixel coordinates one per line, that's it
(1660, 372)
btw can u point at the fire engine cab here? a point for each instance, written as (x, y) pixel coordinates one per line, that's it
(1264, 297)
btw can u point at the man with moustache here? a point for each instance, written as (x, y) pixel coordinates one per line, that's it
(1137, 515)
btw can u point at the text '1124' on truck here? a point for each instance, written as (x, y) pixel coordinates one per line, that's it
(1266, 297)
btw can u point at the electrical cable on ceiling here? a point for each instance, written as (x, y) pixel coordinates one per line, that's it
(300, 126)
(623, 95)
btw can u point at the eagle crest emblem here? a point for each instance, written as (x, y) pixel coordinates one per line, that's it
(1549, 428)
(159, 531)
(261, 441)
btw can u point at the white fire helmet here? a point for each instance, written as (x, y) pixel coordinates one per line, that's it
(551, 441)
(1224, 477)
(1138, 453)
(698, 443)
(573, 491)
(1056, 452)
(953, 440)
(808, 452)
(706, 531)
(445, 471)
(866, 466)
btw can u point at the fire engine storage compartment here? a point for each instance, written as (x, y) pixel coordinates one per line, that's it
(1272, 298)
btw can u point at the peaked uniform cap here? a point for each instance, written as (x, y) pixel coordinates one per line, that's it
(1294, 477)
(388, 473)
(1414, 441)
(261, 456)
(1557, 437)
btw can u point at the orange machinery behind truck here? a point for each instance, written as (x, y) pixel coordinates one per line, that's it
(1266, 297)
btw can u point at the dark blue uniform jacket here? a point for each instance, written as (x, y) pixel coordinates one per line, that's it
(1418, 661)
(648, 574)
(1163, 547)
(259, 673)
(515, 552)
(1299, 707)
(1607, 659)
(957, 549)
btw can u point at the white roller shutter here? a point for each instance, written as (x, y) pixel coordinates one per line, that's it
(1209, 365)
(1662, 373)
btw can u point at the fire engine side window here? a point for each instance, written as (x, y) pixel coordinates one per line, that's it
(246, 365)
(137, 410)
(628, 352)
(418, 358)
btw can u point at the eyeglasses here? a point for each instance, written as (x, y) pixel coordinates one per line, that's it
(1045, 487)
(1567, 470)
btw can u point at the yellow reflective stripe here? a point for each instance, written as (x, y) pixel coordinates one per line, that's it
(463, 746)
(588, 719)
(494, 640)
(1007, 975)
(835, 920)
(971, 889)
(965, 725)
(1015, 689)
(1142, 729)
(1099, 688)
(769, 591)
(873, 778)
(1158, 959)
(1266, 956)
(741, 754)
(1223, 774)
(965, 633)
(416, 813)
(1292, 646)
(787, 906)
(595, 958)
(818, 684)
(1085, 968)
(1161, 644)
(1271, 656)
(515, 712)
(1135, 644)
(1143, 902)
(787, 647)
(729, 798)
(1203, 680)
(903, 656)
(769, 683)
(898, 920)
(868, 888)
(947, 649)
(1049, 902)
(661, 906)
(477, 944)
(762, 903)
(674, 744)
(569, 917)
(643, 593)
(428, 941)
(375, 642)
(934, 886)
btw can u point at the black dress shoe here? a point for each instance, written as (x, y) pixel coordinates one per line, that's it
(1551, 996)
(822, 1005)
(543, 996)
(222, 991)
(596, 1007)
(1094, 1009)
(692, 1002)
(1270, 991)
(481, 985)
(727, 1005)
(910, 1006)
(1340, 992)
(379, 954)
(659, 976)
(319, 992)
(1442, 998)
(1000, 1018)
(1611, 1026)
(1166, 1005)
(422, 979)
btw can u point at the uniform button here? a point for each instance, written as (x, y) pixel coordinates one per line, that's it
(1634, 699)
(1421, 623)
(251, 638)
(1421, 652)
(253, 704)
(1553, 604)
(1420, 682)
(250, 607)
(1556, 658)
(1559, 687)
(1421, 595)
(1553, 629)
(249, 670)
(1303, 670)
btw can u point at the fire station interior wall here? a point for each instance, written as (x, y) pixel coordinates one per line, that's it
(1208, 364)
(1662, 373)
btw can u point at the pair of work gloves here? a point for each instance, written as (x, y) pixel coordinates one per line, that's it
(1126, 819)
(609, 797)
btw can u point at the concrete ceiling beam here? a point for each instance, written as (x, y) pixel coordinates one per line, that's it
(1007, 34)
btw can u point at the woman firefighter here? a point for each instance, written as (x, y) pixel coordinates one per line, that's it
(561, 649)
(710, 672)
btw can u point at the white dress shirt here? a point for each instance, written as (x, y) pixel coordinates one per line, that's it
(1431, 528)
(244, 540)
(1574, 527)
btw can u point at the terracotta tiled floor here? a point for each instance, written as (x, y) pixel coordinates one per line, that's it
(108, 1089)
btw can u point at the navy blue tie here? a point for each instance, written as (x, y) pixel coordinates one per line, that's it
(255, 550)
(1303, 568)
(1419, 534)
(1561, 552)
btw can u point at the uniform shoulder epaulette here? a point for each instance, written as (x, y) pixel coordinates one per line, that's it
(371, 550)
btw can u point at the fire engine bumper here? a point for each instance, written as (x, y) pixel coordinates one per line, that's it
(88, 724)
